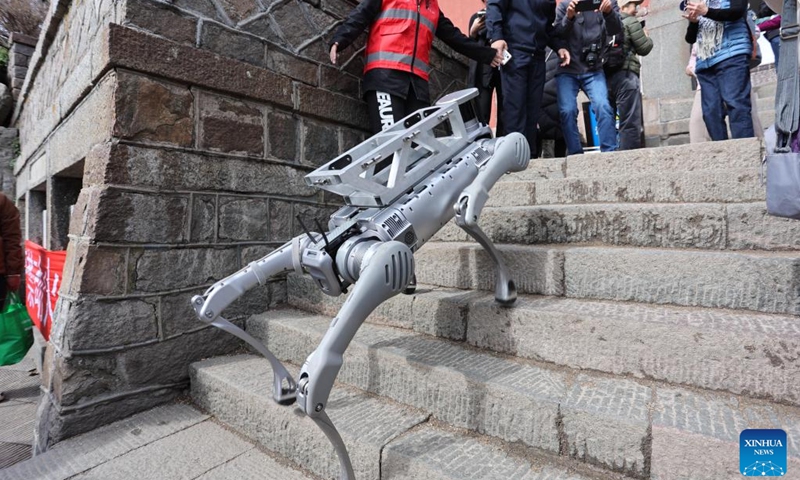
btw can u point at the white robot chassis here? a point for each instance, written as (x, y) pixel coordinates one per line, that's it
(400, 187)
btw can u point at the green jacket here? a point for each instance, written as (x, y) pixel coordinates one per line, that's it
(636, 43)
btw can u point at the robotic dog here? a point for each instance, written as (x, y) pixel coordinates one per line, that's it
(400, 187)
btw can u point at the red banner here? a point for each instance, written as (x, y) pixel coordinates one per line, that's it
(43, 273)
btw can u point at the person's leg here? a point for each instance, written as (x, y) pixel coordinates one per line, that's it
(514, 78)
(776, 48)
(697, 127)
(497, 83)
(594, 84)
(484, 104)
(533, 99)
(383, 109)
(567, 93)
(629, 105)
(713, 108)
(734, 80)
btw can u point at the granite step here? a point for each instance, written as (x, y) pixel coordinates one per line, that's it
(731, 154)
(743, 280)
(712, 349)
(703, 186)
(385, 440)
(714, 226)
(611, 422)
(172, 441)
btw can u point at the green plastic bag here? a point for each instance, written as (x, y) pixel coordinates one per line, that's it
(16, 331)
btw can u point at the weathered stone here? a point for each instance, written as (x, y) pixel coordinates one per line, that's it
(467, 266)
(151, 110)
(339, 8)
(205, 8)
(238, 10)
(283, 135)
(254, 465)
(243, 219)
(265, 27)
(204, 218)
(94, 270)
(162, 20)
(179, 170)
(338, 81)
(286, 64)
(281, 220)
(162, 269)
(6, 102)
(750, 227)
(238, 391)
(138, 51)
(123, 216)
(176, 315)
(226, 42)
(293, 23)
(685, 277)
(93, 324)
(351, 138)
(316, 102)
(231, 125)
(320, 143)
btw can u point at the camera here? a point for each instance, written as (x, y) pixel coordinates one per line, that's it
(591, 55)
(481, 13)
(587, 5)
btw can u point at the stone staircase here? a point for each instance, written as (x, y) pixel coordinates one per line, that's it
(658, 317)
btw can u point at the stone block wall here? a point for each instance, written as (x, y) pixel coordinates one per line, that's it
(19, 55)
(191, 125)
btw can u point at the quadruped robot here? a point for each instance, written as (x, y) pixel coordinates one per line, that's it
(399, 187)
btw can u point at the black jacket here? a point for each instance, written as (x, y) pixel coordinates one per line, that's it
(525, 25)
(480, 74)
(549, 119)
(398, 82)
(583, 31)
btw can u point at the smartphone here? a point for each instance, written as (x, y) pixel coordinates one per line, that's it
(506, 57)
(587, 5)
(481, 13)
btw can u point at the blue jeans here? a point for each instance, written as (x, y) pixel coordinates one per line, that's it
(594, 84)
(776, 48)
(726, 86)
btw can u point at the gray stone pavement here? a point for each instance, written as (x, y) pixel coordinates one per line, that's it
(169, 442)
(20, 386)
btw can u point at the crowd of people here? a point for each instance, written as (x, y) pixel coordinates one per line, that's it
(536, 55)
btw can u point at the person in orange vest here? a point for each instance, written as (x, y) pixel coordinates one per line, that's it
(397, 58)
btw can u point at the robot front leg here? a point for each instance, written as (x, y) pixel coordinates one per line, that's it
(386, 271)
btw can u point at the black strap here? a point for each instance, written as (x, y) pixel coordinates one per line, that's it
(787, 104)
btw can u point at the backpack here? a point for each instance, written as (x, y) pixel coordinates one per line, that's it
(615, 53)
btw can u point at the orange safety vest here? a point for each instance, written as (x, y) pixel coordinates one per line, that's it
(402, 35)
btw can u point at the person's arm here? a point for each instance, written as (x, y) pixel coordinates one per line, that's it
(642, 44)
(495, 18)
(734, 12)
(771, 24)
(472, 27)
(359, 19)
(691, 32)
(563, 24)
(611, 17)
(452, 36)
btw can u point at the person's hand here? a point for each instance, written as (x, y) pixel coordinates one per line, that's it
(500, 45)
(563, 54)
(498, 56)
(334, 53)
(689, 71)
(696, 10)
(571, 9)
(605, 7)
(477, 25)
(12, 281)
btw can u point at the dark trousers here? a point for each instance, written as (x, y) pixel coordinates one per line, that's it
(625, 97)
(484, 101)
(3, 291)
(385, 109)
(726, 86)
(523, 86)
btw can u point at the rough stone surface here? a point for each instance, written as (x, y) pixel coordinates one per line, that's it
(642, 225)
(130, 217)
(320, 143)
(750, 227)
(462, 265)
(6, 102)
(253, 465)
(204, 218)
(237, 390)
(758, 282)
(319, 103)
(494, 396)
(226, 42)
(176, 170)
(740, 185)
(149, 110)
(287, 64)
(243, 218)
(437, 454)
(177, 315)
(98, 270)
(164, 269)
(238, 10)
(162, 20)
(91, 325)
(732, 154)
(283, 135)
(75, 455)
(231, 125)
